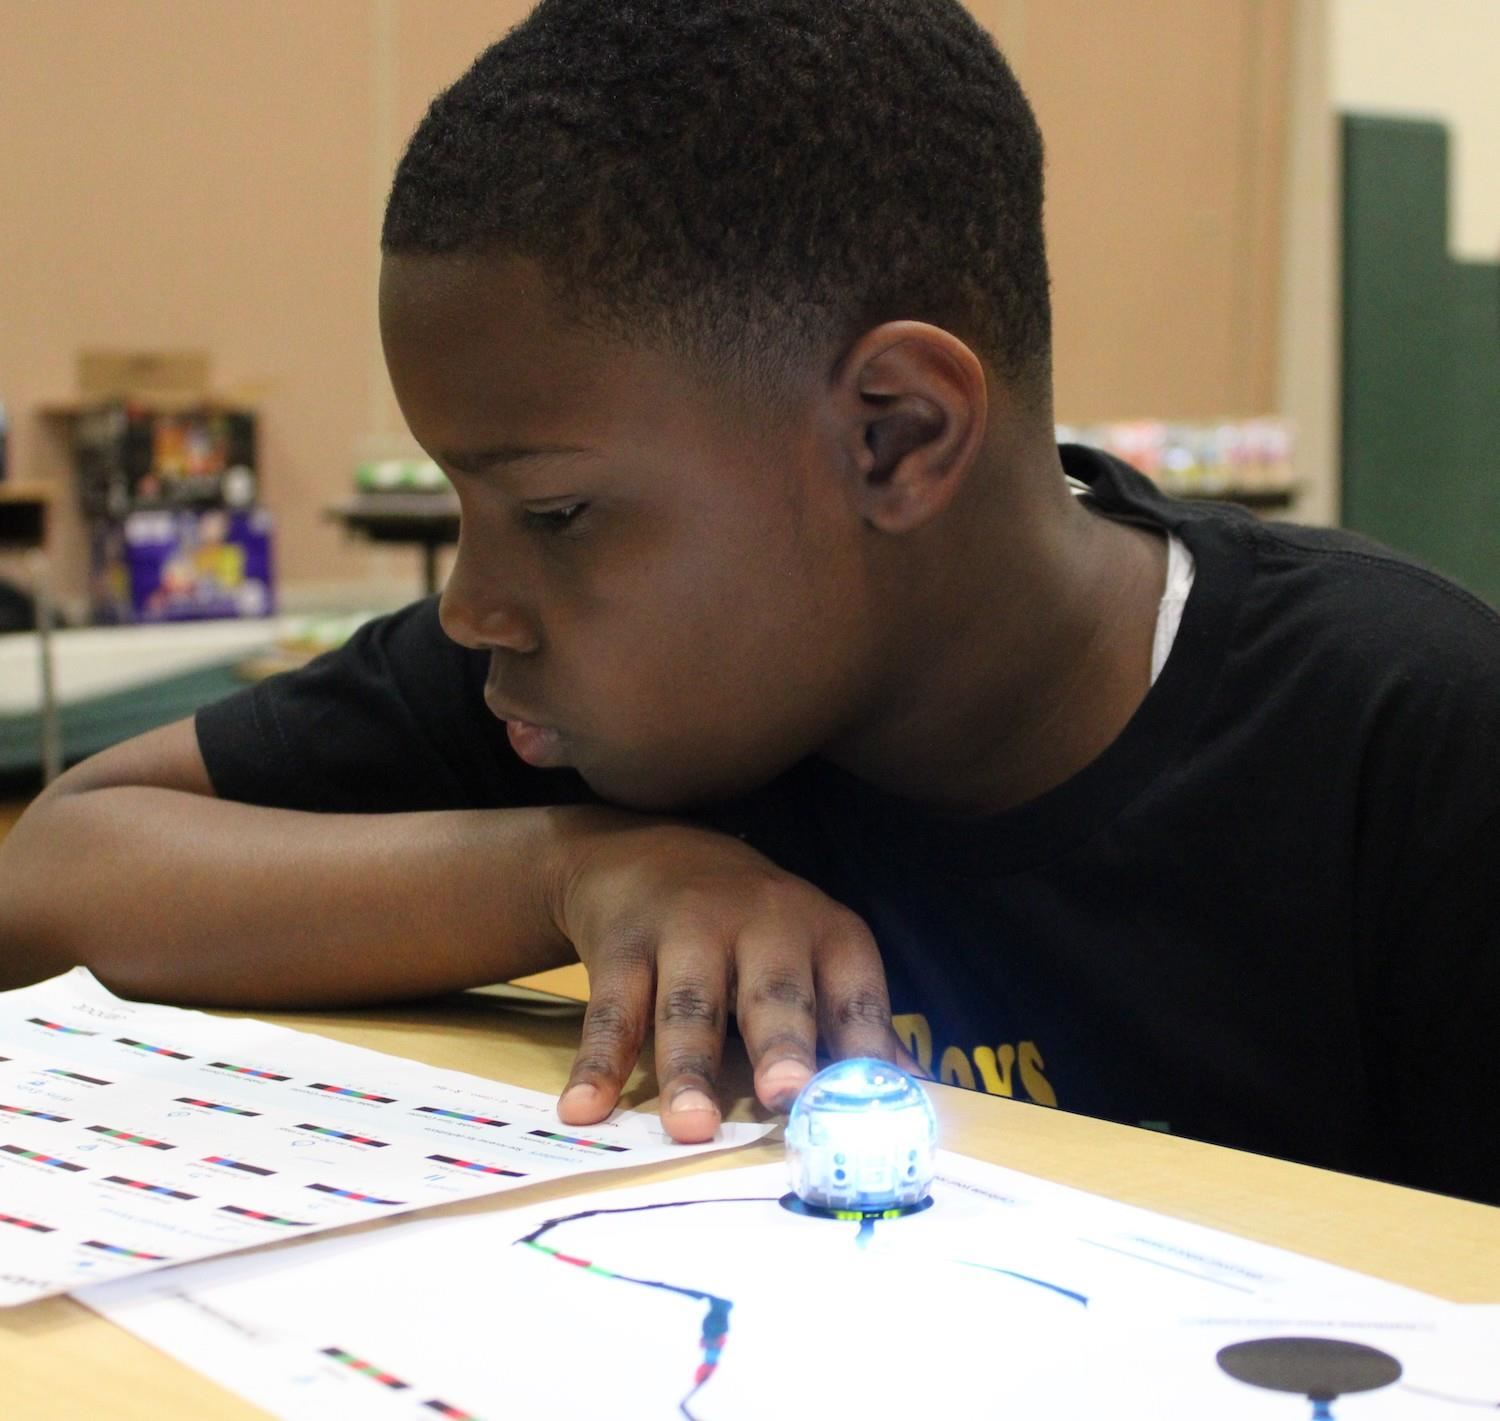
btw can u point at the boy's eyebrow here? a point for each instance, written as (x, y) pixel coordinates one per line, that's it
(480, 461)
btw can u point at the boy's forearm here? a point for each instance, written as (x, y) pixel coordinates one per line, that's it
(182, 897)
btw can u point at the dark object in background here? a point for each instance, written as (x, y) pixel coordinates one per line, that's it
(130, 455)
(17, 609)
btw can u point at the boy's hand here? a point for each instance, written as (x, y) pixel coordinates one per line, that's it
(703, 924)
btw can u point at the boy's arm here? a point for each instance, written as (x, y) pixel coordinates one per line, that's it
(131, 865)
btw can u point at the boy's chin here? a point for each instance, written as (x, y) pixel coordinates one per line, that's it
(669, 790)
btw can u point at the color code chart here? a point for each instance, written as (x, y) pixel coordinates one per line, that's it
(134, 1136)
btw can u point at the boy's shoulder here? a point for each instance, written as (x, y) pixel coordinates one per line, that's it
(1355, 597)
(1374, 619)
(1325, 639)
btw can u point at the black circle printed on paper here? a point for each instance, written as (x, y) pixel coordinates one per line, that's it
(1321, 1368)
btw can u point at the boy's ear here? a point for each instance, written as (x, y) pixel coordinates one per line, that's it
(912, 406)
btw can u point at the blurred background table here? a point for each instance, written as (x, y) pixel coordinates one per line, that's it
(430, 520)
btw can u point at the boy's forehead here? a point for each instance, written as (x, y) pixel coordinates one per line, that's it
(474, 309)
(477, 349)
(481, 355)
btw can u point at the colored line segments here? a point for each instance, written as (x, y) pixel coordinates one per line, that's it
(393, 1383)
(715, 1330)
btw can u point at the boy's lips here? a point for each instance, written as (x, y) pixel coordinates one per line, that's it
(538, 745)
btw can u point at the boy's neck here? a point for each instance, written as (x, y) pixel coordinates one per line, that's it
(1036, 665)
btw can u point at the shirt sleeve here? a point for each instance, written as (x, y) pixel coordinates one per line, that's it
(393, 720)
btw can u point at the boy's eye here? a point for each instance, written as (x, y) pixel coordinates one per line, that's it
(553, 520)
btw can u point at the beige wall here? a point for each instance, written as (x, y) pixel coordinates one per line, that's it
(1308, 316)
(210, 173)
(1439, 59)
(1164, 123)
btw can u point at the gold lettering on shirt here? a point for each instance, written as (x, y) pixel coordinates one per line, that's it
(954, 1069)
(916, 1036)
(1037, 1085)
(993, 1069)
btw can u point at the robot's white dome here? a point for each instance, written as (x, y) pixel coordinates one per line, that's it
(862, 1136)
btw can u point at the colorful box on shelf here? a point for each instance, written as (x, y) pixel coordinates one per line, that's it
(150, 430)
(129, 455)
(183, 565)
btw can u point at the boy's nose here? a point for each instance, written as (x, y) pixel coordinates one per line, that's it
(480, 615)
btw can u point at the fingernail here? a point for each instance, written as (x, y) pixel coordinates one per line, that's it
(780, 1082)
(579, 1097)
(689, 1102)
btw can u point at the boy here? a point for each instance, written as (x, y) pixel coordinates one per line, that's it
(730, 324)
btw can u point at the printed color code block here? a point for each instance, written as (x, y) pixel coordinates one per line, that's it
(155, 1050)
(148, 1188)
(54, 1026)
(130, 1139)
(353, 1094)
(42, 1159)
(352, 1194)
(576, 1140)
(26, 1224)
(247, 1071)
(262, 1218)
(368, 1369)
(237, 1164)
(124, 1252)
(74, 1076)
(34, 1114)
(458, 1115)
(482, 1168)
(345, 1135)
(215, 1105)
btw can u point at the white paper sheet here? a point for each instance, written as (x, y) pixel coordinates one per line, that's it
(133, 1136)
(705, 1298)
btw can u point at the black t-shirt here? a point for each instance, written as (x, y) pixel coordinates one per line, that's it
(1268, 915)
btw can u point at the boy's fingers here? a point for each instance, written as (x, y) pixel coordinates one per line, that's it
(854, 1008)
(777, 1015)
(614, 1026)
(692, 1010)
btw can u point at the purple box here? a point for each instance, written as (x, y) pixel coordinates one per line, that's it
(183, 565)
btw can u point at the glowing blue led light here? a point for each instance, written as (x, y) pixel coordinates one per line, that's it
(862, 1136)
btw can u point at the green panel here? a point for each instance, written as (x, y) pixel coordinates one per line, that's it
(93, 725)
(1421, 359)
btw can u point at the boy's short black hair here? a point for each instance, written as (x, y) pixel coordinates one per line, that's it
(736, 178)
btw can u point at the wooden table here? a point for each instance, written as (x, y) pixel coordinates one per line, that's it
(60, 1362)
